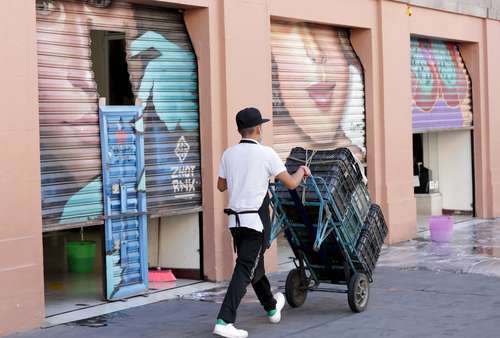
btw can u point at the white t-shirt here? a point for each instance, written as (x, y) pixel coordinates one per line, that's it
(247, 168)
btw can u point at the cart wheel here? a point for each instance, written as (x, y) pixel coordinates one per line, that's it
(295, 291)
(358, 292)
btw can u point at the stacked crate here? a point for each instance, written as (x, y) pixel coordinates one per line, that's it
(371, 238)
(361, 223)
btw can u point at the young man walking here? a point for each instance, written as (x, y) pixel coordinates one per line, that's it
(245, 170)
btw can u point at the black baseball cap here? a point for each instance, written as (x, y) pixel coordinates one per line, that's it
(248, 118)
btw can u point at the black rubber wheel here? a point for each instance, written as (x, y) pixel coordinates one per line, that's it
(295, 290)
(358, 292)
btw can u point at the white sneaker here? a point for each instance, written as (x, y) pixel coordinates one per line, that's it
(280, 304)
(229, 331)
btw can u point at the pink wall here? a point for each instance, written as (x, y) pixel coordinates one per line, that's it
(396, 143)
(21, 280)
(492, 74)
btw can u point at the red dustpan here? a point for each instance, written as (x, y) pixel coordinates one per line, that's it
(160, 275)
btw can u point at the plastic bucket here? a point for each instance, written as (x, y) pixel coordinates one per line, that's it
(441, 228)
(81, 256)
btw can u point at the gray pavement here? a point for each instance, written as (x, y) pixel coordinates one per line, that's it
(404, 303)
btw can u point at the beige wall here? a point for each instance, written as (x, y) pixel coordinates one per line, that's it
(21, 281)
(232, 42)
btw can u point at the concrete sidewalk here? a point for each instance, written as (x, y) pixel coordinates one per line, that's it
(421, 288)
(404, 303)
(474, 248)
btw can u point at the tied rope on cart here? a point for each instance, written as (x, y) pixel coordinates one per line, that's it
(309, 159)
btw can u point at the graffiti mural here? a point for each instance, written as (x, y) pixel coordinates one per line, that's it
(168, 88)
(163, 74)
(155, 85)
(318, 92)
(440, 86)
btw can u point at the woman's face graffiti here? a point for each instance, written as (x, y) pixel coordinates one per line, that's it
(65, 69)
(314, 80)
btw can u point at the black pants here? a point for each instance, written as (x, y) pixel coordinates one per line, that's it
(249, 268)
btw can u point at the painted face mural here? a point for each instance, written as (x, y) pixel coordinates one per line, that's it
(163, 74)
(317, 89)
(441, 88)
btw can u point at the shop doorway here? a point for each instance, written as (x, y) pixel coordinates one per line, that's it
(67, 290)
(442, 122)
(174, 247)
(178, 249)
(120, 51)
(443, 175)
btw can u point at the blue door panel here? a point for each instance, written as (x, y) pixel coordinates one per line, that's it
(122, 146)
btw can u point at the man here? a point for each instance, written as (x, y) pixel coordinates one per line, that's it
(245, 170)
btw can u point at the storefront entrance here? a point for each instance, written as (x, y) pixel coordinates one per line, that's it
(121, 52)
(442, 132)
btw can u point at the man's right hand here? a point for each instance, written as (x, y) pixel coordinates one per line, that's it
(307, 171)
(293, 181)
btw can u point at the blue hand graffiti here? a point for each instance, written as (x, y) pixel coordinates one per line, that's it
(174, 101)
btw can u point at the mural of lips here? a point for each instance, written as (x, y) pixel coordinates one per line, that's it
(322, 94)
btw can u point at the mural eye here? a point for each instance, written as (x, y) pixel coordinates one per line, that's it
(321, 59)
(44, 7)
(99, 3)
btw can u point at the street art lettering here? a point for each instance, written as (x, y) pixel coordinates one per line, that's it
(186, 185)
(318, 92)
(183, 171)
(440, 86)
(183, 180)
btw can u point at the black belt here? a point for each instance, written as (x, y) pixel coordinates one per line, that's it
(238, 224)
(237, 213)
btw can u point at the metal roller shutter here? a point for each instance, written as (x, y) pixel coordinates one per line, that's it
(168, 81)
(441, 86)
(163, 73)
(318, 91)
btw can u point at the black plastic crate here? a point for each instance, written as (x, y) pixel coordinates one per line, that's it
(343, 195)
(372, 238)
(342, 179)
(366, 254)
(336, 167)
(321, 160)
(361, 201)
(375, 223)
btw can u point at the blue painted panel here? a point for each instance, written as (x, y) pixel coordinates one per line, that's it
(122, 149)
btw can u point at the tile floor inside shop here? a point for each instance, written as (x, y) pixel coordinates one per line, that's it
(66, 292)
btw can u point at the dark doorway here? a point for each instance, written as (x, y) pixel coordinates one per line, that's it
(109, 63)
